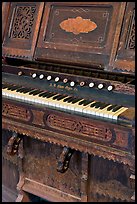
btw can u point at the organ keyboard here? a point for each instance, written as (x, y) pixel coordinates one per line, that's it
(63, 102)
(68, 88)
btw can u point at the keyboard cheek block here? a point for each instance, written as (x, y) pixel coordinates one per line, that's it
(90, 135)
(128, 117)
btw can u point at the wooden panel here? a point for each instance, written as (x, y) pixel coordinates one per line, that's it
(77, 32)
(109, 181)
(5, 13)
(79, 133)
(22, 29)
(125, 56)
(40, 165)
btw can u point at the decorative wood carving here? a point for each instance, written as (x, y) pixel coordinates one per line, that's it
(22, 29)
(12, 158)
(90, 130)
(125, 56)
(78, 25)
(13, 144)
(64, 159)
(131, 34)
(81, 144)
(13, 111)
(23, 22)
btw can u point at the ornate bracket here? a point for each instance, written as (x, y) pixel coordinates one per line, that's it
(13, 143)
(64, 159)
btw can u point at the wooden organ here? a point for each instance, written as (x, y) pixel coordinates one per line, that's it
(68, 101)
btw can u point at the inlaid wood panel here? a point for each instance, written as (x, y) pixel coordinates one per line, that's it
(78, 32)
(79, 133)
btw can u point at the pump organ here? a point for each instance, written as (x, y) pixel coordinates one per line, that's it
(68, 101)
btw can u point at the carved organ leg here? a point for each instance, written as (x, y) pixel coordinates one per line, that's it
(64, 159)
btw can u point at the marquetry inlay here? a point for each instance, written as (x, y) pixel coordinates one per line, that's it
(78, 25)
(13, 111)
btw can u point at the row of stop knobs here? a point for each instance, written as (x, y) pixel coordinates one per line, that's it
(72, 83)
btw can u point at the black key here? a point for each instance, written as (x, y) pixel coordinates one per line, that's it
(76, 100)
(55, 97)
(98, 104)
(61, 97)
(93, 104)
(70, 100)
(36, 92)
(39, 91)
(27, 90)
(50, 95)
(66, 99)
(21, 89)
(111, 107)
(87, 102)
(44, 93)
(33, 91)
(82, 102)
(24, 89)
(104, 105)
(116, 108)
(12, 88)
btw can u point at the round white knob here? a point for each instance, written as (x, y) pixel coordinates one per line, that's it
(65, 80)
(56, 79)
(48, 78)
(72, 83)
(41, 76)
(110, 88)
(34, 75)
(100, 86)
(91, 84)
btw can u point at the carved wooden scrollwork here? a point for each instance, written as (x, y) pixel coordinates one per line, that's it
(64, 159)
(16, 112)
(131, 33)
(13, 144)
(23, 22)
(90, 130)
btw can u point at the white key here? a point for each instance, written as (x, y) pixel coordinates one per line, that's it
(113, 115)
(61, 104)
(121, 110)
(101, 112)
(72, 107)
(90, 110)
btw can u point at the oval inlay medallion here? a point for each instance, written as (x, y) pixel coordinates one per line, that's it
(78, 25)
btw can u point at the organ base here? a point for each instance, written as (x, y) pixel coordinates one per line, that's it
(89, 178)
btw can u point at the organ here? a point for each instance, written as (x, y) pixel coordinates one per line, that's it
(68, 101)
